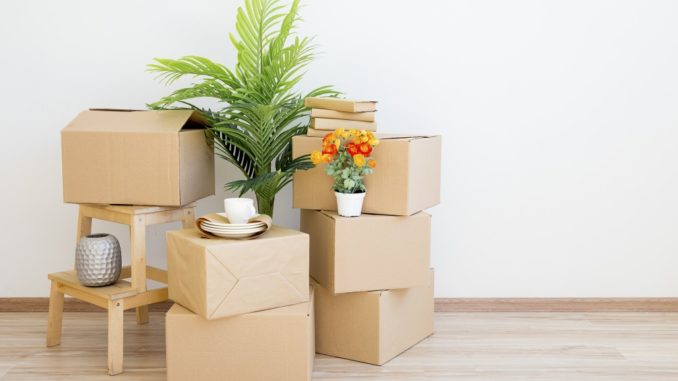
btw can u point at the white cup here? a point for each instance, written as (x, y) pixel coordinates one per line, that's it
(239, 210)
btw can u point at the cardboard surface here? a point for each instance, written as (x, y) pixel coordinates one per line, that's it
(405, 181)
(275, 344)
(372, 327)
(370, 252)
(215, 278)
(158, 158)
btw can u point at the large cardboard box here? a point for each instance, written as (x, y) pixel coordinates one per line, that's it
(276, 344)
(215, 278)
(370, 252)
(375, 326)
(136, 157)
(405, 181)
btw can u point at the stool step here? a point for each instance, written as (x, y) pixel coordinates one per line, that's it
(68, 280)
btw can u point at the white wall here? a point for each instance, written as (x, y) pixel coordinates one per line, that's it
(559, 119)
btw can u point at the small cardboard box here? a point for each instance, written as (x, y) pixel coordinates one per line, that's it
(136, 157)
(375, 326)
(216, 278)
(276, 344)
(370, 252)
(405, 181)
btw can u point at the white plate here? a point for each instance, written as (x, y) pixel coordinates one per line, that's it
(230, 235)
(234, 226)
(222, 231)
(234, 230)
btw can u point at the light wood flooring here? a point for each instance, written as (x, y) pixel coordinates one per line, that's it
(466, 346)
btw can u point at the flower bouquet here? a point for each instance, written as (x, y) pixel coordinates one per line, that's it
(348, 158)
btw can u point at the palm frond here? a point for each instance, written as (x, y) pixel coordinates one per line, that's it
(262, 110)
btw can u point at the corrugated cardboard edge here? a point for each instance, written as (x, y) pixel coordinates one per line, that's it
(315, 216)
(194, 169)
(338, 222)
(425, 190)
(426, 331)
(370, 343)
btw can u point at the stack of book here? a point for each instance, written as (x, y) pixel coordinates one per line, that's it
(328, 114)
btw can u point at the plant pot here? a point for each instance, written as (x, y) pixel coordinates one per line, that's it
(98, 260)
(350, 204)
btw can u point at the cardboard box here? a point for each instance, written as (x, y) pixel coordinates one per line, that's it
(405, 181)
(372, 327)
(276, 344)
(370, 252)
(215, 278)
(136, 157)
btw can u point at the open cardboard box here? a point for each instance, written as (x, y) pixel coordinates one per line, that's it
(215, 278)
(375, 326)
(370, 252)
(158, 158)
(275, 344)
(405, 181)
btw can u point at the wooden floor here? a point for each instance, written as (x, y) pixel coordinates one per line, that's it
(466, 346)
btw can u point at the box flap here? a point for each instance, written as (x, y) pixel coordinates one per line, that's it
(146, 121)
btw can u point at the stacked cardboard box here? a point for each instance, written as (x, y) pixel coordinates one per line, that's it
(372, 277)
(328, 114)
(244, 308)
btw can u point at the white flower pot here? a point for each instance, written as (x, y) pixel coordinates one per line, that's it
(350, 204)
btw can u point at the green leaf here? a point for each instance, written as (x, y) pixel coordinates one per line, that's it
(261, 108)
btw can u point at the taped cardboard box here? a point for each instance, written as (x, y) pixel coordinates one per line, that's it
(406, 180)
(372, 327)
(215, 278)
(370, 252)
(136, 157)
(275, 344)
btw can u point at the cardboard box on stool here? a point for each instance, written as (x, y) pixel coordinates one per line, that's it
(275, 344)
(375, 326)
(370, 252)
(215, 278)
(158, 158)
(406, 180)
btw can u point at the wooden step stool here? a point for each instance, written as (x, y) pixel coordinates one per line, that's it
(124, 294)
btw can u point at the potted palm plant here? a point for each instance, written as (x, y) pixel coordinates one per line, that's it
(262, 110)
(348, 158)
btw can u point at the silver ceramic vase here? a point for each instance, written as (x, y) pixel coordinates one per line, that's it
(98, 260)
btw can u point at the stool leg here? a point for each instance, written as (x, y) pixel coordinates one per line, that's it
(142, 314)
(115, 337)
(138, 235)
(55, 315)
(84, 226)
(188, 218)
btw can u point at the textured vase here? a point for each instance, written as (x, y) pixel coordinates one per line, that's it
(98, 260)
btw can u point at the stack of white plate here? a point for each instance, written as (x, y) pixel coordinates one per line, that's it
(233, 230)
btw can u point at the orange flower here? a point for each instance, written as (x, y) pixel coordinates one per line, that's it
(359, 160)
(371, 163)
(316, 157)
(326, 158)
(365, 149)
(329, 138)
(352, 149)
(330, 149)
